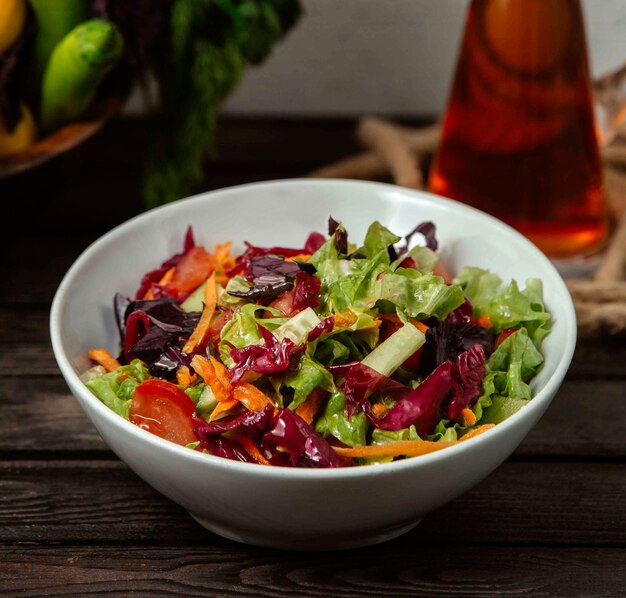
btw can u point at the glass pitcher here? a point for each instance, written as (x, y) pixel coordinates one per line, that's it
(518, 136)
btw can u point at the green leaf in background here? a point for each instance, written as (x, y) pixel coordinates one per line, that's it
(377, 239)
(209, 45)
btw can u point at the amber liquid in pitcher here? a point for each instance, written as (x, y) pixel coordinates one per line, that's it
(518, 136)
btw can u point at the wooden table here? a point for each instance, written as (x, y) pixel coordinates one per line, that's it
(551, 521)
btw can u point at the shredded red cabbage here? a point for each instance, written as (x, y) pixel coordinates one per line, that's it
(306, 448)
(270, 358)
(326, 325)
(153, 277)
(307, 291)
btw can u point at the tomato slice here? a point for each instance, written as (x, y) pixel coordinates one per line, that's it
(504, 335)
(163, 409)
(284, 303)
(192, 270)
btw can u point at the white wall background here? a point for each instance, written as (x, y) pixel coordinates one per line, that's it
(394, 57)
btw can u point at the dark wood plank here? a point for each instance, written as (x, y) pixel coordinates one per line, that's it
(242, 571)
(586, 419)
(102, 502)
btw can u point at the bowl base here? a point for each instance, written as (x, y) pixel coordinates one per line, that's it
(306, 542)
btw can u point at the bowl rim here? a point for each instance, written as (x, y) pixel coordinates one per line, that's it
(566, 313)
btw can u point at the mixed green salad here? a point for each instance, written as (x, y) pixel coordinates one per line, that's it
(327, 355)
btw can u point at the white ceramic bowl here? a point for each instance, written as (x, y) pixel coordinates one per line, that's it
(285, 507)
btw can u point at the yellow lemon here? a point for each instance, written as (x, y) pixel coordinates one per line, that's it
(21, 137)
(12, 17)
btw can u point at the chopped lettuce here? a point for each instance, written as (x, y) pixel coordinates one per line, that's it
(115, 389)
(508, 308)
(509, 368)
(334, 421)
(308, 376)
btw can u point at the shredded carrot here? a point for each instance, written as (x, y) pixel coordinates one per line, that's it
(207, 371)
(223, 407)
(184, 377)
(420, 326)
(221, 372)
(468, 417)
(302, 257)
(251, 448)
(198, 336)
(164, 280)
(378, 322)
(105, 359)
(310, 406)
(250, 396)
(379, 409)
(476, 431)
(344, 319)
(221, 279)
(484, 321)
(411, 448)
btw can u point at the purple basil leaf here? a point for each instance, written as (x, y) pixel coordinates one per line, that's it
(272, 264)
(428, 230)
(326, 325)
(462, 314)
(307, 291)
(306, 448)
(242, 263)
(446, 341)
(265, 287)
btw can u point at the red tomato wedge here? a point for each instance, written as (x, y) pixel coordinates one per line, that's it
(504, 335)
(284, 303)
(164, 410)
(192, 270)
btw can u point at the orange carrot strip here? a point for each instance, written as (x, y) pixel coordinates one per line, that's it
(411, 448)
(164, 280)
(310, 406)
(251, 448)
(202, 329)
(105, 359)
(303, 257)
(250, 396)
(184, 377)
(468, 417)
(206, 370)
(378, 409)
(476, 431)
(484, 321)
(222, 407)
(344, 319)
(222, 373)
(420, 326)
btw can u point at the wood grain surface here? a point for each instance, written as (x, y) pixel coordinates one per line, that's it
(74, 520)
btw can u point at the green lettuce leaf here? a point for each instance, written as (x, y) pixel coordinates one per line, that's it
(377, 239)
(335, 422)
(306, 378)
(115, 389)
(508, 370)
(243, 329)
(508, 308)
